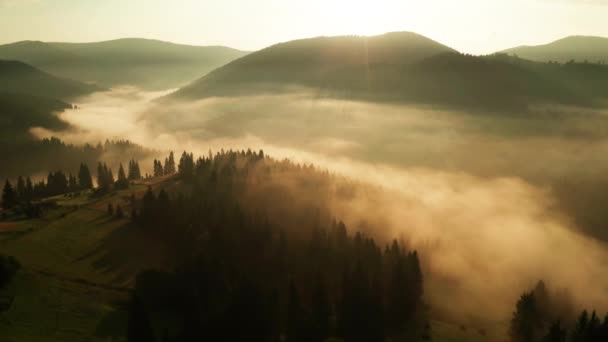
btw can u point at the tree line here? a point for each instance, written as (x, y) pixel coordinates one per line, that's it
(58, 183)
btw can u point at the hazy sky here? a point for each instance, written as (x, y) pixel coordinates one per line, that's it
(475, 26)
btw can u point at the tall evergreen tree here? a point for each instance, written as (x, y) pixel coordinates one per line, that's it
(72, 183)
(9, 196)
(134, 171)
(526, 322)
(171, 162)
(29, 189)
(556, 333)
(85, 181)
(20, 188)
(122, 182)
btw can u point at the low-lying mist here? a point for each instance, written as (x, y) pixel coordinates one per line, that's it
(492, 201)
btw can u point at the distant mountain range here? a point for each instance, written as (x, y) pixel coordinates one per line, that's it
(149, 64)
(18, 77)
(393, 67)
(578, 48)
(402, 67)
(317, 62)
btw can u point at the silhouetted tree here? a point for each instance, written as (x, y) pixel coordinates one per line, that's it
(9, 196)
(85, 181)
(526, 320)
(20, 188)
(72, 183)
(121, 182)
(556, 333)
(29, 189)
(134, 171)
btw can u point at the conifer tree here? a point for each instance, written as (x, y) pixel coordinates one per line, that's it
(29, 189)
(72, 183)
(122, 182)
(9, 196)
(85, 181)
(171, 163)
(20, 188)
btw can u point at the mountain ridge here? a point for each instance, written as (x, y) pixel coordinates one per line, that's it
(146, 63)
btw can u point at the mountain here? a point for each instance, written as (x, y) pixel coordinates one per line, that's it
(313, 62)
(149, 64)
(20, 112)
(18, 77)
(578, 48)
(402, 67)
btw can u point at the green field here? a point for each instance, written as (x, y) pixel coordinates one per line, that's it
(78, 264)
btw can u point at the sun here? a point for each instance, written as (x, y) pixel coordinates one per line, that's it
(353, 17)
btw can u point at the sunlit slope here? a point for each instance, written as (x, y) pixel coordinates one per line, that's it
(316, 62)
(18, 77)
(578, 48)
(401, 67)
(149, 64)
(78, 264)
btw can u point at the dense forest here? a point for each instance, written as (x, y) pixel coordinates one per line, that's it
(241, 277)
(550, 316)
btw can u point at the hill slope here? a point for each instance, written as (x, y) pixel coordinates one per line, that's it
(314, 62)
(18, 77)
(579, 48)
(146, 63)
(19, 112)
(402, 67)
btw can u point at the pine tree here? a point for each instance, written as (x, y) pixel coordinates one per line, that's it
(166, 168)
(20, 188)
(29, 189)
(186, 166)
(85, 181)
(526, 321)
(72, 183)
(9, 196)
(134, 172)
(171, 162)
(122, 182)
(556, 333)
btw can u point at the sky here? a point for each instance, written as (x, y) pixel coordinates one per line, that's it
(471, 26)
